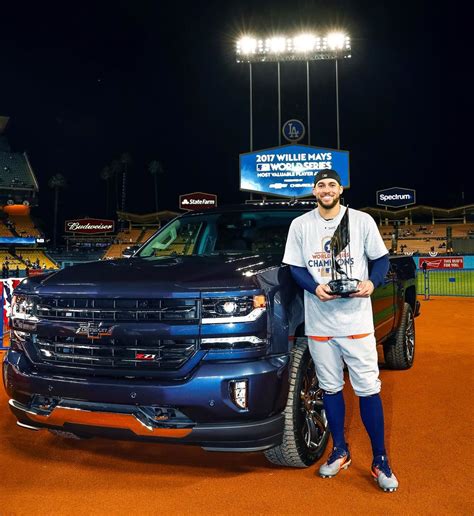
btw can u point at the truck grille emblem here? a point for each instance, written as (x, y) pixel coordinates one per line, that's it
(145, 356)
(93, 331)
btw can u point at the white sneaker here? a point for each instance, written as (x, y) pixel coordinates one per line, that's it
(339, 459)
(383, 475)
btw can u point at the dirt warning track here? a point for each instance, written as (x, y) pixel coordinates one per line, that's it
(428, 417)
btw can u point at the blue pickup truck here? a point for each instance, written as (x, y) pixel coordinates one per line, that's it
(198, 338)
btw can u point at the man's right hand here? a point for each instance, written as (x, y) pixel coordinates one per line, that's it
(323, 293)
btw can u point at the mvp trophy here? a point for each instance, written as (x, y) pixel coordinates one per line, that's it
(341, 283)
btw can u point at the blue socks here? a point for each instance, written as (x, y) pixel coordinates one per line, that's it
(371, 412)
(335, 413)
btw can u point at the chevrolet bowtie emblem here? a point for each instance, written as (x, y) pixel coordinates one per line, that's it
(94, 330)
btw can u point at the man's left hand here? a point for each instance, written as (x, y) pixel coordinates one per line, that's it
(365, 289)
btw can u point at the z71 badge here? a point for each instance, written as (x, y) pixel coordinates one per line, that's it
(145, 356)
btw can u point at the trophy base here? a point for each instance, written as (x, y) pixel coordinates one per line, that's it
(343, 287)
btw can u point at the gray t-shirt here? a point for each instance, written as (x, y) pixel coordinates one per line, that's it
(307, 246)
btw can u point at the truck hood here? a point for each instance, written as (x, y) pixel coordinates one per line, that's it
(156, 276)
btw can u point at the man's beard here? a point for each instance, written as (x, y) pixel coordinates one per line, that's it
(328, 206)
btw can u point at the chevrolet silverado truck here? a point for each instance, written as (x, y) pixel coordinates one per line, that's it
(198, 338)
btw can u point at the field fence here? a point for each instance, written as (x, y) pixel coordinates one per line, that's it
(459, 282)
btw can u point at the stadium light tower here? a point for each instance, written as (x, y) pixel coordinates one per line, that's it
(300, 47)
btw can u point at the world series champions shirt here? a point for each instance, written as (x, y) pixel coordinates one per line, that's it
(307, 246)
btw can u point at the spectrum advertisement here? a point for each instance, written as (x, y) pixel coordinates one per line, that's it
(289, 171)
(396, 197)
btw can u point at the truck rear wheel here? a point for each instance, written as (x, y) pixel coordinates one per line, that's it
(399, 349)
(306, 431)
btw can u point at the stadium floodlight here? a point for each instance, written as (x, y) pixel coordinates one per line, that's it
(337, 41)
(246, 46)
(299, 47)
(276, 45)
(306, 43)
(306, 46)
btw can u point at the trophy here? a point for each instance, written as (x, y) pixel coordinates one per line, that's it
(342, 284)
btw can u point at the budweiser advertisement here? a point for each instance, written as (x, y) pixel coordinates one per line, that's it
(197, 201)
(451, 262)
(88, 226)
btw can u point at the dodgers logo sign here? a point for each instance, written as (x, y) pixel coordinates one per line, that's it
(289, 171)
(293, 130)
(396, 197)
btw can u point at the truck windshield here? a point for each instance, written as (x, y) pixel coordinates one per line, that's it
(232, 232)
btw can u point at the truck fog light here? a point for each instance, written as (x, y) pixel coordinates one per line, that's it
(239, 393)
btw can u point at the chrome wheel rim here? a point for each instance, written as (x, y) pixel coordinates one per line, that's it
(315, 425)
(410, 337)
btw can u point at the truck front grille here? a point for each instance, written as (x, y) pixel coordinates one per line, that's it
(175, 311)
(108, 353)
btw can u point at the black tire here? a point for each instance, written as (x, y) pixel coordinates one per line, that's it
(399, 349)
(306, 431)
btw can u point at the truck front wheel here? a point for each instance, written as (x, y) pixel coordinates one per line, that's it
(306, 431)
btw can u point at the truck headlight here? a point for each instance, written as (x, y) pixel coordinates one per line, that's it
(232, 309)
(23, 315)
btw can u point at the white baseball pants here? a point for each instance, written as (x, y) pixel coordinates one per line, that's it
(359, 354)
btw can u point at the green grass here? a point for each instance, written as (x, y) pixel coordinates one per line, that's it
(441, 283)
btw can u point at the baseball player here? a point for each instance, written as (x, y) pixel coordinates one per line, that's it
(341, 330)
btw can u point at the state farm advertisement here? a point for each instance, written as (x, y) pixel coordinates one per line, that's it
(451, 262)
(89, 226)
(197, 201)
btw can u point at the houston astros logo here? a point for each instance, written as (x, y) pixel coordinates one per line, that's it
(327, 247)
(321, 260)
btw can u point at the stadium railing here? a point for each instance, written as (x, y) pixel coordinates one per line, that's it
(447, 282)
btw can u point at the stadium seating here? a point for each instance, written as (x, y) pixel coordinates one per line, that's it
(6, 257)
(129, 235)
(24, 226)
(126, 238)
(16, 172)
(425, 238)
(4, 230)
(147, 233)
(462, 230)
(115, 251)
(28, 256)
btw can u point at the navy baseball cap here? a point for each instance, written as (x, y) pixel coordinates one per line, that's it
(327, 174)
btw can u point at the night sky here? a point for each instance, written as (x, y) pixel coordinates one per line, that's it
(84, 83)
